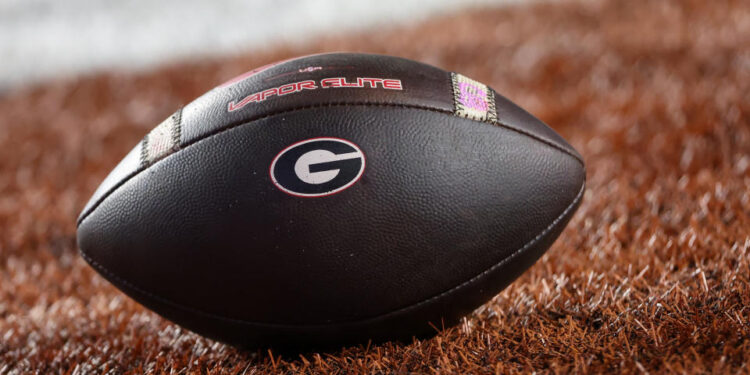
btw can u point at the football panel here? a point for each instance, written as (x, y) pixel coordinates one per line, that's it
(318, 80)
(420, 320)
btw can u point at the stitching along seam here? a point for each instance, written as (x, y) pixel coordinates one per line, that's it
(402, 310)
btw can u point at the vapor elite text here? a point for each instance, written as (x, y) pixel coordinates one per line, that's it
(333, 82)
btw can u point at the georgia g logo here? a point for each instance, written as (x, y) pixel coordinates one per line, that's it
(317, 167)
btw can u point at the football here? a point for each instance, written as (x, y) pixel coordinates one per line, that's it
(332, 199)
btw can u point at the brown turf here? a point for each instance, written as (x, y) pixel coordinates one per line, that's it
(651, 274)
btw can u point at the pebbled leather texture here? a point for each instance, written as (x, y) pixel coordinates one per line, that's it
(447, 212)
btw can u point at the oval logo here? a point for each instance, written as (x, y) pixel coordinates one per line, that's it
(317, 167)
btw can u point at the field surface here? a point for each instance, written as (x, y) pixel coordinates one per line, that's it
(651, 275)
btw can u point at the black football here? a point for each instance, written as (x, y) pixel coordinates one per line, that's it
(332, 199)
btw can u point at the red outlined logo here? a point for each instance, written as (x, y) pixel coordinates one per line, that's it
(317, 167)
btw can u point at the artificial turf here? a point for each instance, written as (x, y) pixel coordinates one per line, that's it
(650, 276)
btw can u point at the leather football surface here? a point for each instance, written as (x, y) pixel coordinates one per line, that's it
(332, 199)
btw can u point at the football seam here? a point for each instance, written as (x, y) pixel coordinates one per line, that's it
(386, 315)
(233, 125)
